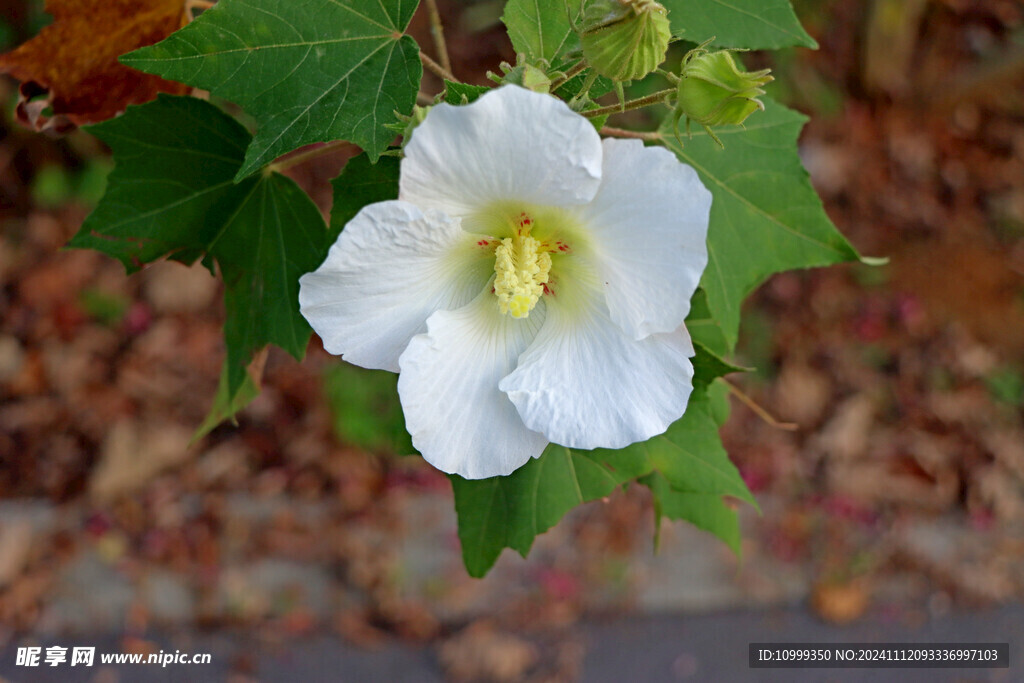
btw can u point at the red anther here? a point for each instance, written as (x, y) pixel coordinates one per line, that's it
(562, 246)
(547, 290)
(483, 243)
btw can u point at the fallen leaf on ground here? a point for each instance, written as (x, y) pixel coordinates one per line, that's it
(133, 454)
(481, 651)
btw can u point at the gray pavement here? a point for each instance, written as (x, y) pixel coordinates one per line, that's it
(711, 647)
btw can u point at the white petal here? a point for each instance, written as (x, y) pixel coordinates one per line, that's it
(586, 383)
(649, 224)
(511, 145)
(459, 421)
(390, 269)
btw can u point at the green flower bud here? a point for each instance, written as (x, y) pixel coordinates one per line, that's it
(624, 39)
(526, 75)
(407, 124)
(714, 91)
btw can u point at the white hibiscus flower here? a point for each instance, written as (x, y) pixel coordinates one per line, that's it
(529, 284)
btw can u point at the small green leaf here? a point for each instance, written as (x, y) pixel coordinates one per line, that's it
(172, 195)
(360, 183)
(708, 366)
(540, 29)
(306, 71)
(705, 511)
(108, 309)
(462, 93)
(52, 186)
(227, 403)
(751, 24)
(765, 215)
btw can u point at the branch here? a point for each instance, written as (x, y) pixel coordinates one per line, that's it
(303, 157)
(192, 5)
(652, 136)
(758, 410)
(647, 101)
(569, 75)
(437, 33)
(437, 69)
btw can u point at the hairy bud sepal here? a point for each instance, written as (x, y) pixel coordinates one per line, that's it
(529, 76)
(624, 39)
(407, 124)
(714, 91)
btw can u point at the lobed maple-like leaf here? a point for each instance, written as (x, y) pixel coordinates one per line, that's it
(74, 60)
(750, 24)
(509, 512)
(705, 511)
(541, 29)
(765, 216)
(307, 70)
(172, 194)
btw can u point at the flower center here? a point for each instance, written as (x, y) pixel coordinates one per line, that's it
(522, 266)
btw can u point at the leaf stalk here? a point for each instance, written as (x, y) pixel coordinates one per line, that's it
(436, 68)
(303, 157)
(640, 102)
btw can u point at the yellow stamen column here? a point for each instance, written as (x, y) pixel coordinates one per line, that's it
(522, 269)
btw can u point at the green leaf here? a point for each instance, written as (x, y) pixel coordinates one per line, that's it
(172, 194)
(765, 216)
(718, 402)
(704, 329)
(360, 183)
(705, 511)
(366, 409)
(462, 93)
(509, 512)
(274, 236)
(227, 404)
(708, 366)
(306, 71)
(540, 29)
(691, 456)
(752, 24)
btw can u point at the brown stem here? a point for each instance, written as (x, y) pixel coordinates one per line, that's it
(652, 136)
(192, 5)
(758, 410)
(436, 68)
(303, 157)
(437, 33)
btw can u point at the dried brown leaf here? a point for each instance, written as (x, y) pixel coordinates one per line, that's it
(69, 72)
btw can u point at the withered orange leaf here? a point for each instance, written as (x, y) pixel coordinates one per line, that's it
(73, 61)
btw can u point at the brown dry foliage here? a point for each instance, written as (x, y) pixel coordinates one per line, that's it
(74, 63)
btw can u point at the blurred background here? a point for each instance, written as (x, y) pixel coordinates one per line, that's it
(895, 507)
